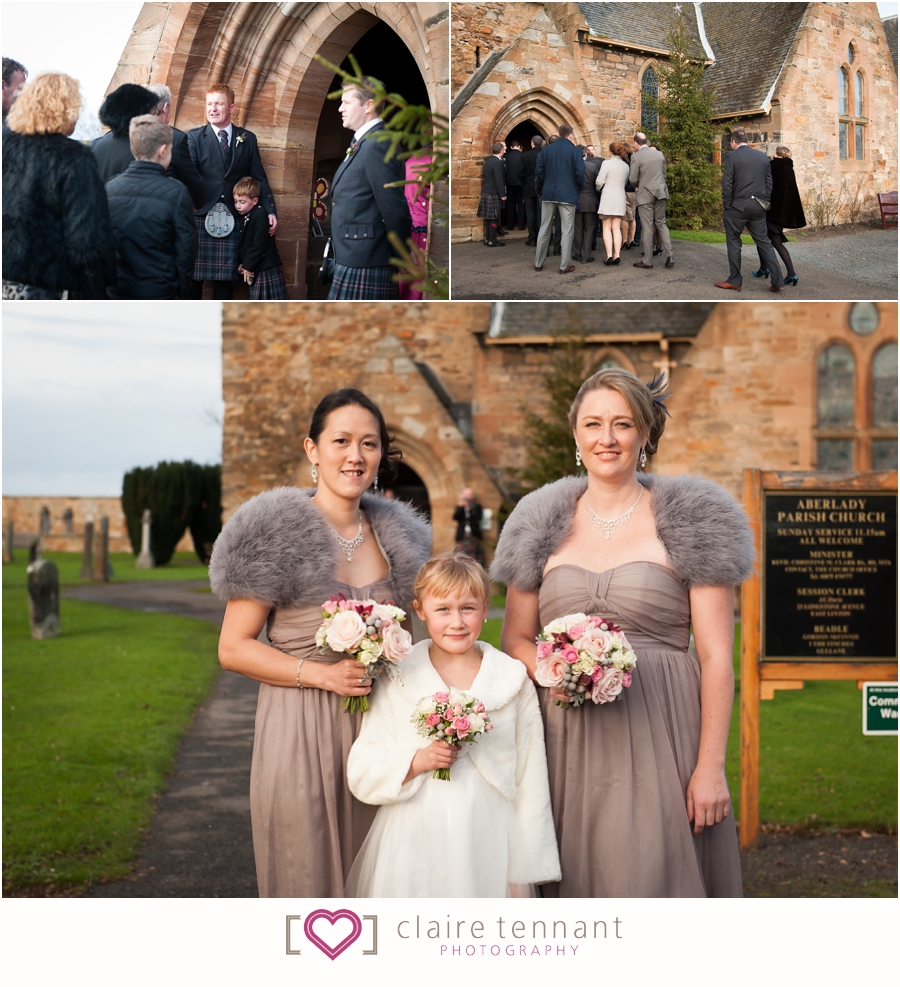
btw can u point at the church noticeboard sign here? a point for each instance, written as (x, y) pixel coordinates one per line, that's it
(822, 603)
(829, 572)
(879, 709)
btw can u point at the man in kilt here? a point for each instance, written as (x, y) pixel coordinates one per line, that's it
(492, 194)
(363, 211)
(223, 154)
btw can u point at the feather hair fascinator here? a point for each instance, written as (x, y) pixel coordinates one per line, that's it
(658, 393)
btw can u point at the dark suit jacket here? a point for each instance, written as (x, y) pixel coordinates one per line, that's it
(494, 176)
(589, 198)
(184, 169)
(220, 175)
(256, 249)
(746, 172)
(529, 162)
(113, 155)
(514, 167)
(363, 211)
(560, 172)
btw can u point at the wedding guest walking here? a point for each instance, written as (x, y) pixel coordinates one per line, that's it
(638, 787)
(493, 193)
(611, 182)
(786, 211)
(559, 176)
(648, 175)
(278, 559)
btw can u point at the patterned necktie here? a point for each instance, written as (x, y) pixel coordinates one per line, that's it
(223, 141)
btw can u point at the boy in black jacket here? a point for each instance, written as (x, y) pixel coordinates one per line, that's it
(257, 253)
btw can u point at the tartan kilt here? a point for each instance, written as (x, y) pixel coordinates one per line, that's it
(217, 257)
(363, 283)
(489, 207)
(268, 286)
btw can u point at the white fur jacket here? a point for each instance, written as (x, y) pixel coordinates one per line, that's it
(703, 529)
(511, 757)
(277, 548)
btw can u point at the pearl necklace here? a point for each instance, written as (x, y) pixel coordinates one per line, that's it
(610, 526)
(349, 545)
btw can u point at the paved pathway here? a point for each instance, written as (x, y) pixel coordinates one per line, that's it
(859, 266)
(199, 842)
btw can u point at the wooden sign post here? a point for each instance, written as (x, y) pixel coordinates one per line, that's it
(823, 601)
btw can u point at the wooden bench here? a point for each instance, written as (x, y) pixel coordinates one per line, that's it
(887, 203)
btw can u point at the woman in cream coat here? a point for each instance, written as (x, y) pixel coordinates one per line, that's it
(611, 186)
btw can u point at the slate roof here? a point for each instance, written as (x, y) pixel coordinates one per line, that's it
(640, 24)
(890, 29)
(751, 42)
(599, 318)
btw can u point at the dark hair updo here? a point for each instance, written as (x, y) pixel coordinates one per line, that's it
(644, 400)
(350, 396)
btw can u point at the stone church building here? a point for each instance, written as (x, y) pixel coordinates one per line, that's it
(818, 77)
(781, 387)
(265, 53)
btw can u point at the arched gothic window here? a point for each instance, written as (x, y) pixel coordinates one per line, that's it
(884, 408)
(851, 113)
(836, 409)
(649, 87)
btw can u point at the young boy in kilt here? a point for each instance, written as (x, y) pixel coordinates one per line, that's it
(258, 256)
(223, 153)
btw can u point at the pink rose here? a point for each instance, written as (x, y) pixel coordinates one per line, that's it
(607, 689)
(346, 631)
(433, 720)
(550, 671)
(396, 641)
(575, 632)
(489, 726)
(569, 654)
(595, 642)
(626, 680)
(597, 673)
(383, 612)
(461, 725)
(545, 648)
(479, 707)
(442, 697)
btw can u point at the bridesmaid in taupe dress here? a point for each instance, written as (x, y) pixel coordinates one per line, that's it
(280, 556)
(638, 788)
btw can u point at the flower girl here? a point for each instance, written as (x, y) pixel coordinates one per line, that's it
(488, 831)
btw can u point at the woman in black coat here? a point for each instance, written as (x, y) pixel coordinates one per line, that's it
(786, 211)
(57, 237)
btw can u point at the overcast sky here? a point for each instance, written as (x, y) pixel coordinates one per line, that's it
(93, 389)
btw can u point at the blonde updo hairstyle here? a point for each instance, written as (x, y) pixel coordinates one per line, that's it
(452, 573)
(644, 400)
(49, 104)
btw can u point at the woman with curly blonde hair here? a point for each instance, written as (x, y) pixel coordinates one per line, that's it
(57, 238)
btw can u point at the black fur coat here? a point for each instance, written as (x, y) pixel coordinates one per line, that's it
(787, 206)
(702, 527)
(56, 229)
(277, 548)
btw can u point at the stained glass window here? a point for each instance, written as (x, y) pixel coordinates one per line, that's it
(837, 372)
(843, 92)
(649, 87)
(884, 386)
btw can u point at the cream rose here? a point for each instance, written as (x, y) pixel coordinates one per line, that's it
(549, 671)
(396, 642)
(346, 631)
(607, 688)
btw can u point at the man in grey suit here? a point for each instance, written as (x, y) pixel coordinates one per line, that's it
(559, 176)
(648, 176)
(746, 185)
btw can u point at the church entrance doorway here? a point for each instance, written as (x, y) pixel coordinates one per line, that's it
(381, 53)
(523, 132)
(409, 488)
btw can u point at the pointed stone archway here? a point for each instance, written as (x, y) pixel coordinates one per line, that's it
(265, 52)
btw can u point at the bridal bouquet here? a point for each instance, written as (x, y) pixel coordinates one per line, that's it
(368, 631)
(589, 657)
(454, 717)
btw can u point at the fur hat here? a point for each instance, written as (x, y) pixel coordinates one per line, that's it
(124, 103)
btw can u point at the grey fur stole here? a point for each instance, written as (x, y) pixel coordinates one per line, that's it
(278, 549)
(703, 529)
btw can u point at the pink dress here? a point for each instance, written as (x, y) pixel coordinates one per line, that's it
(418, 210)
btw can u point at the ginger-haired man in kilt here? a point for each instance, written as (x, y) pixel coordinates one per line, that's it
(223, 153)
(363, 211)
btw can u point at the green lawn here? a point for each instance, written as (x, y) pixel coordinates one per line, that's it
(91, 722)
(184, 565)
(710, 236)
(816, 767)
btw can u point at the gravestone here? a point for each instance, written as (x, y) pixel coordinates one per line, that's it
(87, 555)
(145, 559)
(43, 599)
(8, 535)
(101, 552)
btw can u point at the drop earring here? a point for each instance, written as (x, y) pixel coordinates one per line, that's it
(643, 459)
(315, 474)
(375, 484)
(577, 456)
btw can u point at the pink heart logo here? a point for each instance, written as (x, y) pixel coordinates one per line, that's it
(332, 952)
